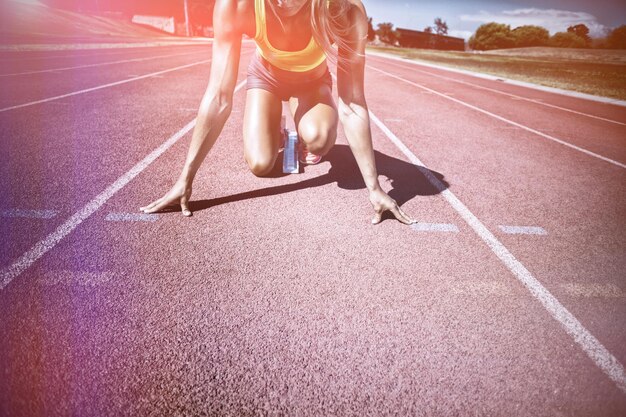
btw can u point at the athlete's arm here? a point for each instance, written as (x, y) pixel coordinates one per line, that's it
(216, 104)
(354, 115)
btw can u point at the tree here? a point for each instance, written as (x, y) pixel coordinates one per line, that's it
(386, 33)
(371, 33)
(567, 40)
(492, 36)
(530, 35)
(582, 31)
(441, 27)
(428, 29)
(600, 43)
(617, 38)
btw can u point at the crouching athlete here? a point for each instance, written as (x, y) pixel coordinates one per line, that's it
(294, 41)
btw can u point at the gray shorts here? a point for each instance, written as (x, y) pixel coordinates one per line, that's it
(261, 74)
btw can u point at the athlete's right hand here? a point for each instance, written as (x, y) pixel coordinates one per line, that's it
(179, 194)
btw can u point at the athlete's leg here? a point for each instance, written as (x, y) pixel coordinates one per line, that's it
(261, 130)
(315, 114)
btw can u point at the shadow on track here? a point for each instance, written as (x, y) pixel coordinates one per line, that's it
(407, 180)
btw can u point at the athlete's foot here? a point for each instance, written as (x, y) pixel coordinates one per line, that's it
(305, 157)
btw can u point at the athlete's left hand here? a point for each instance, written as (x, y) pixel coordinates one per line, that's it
(382, 202)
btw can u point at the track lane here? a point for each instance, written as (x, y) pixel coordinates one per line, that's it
(35, 60)
(240, 309)
(605, 110)
(506, 180)
(539, 102)
(280, 296)
(595, 137)
(73, 151)
(61, 172)
(82, 65)
(23, 63)
(23, 91)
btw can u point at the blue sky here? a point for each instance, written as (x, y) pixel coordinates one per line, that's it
(463, 17)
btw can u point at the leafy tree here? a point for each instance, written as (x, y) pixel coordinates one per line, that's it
(428, 29)
(371, 33)
(567, 40)
(530, 35)
(386, 33)
(582, 31)
(600, 43)
(441, 27)
(617, 38)
(492, 36)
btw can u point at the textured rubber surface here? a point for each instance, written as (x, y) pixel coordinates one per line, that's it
(278, 296)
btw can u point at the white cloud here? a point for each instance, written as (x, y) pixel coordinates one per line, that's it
(465, 34)
(551, 19)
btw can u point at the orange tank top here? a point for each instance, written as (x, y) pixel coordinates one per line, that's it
(296, 61)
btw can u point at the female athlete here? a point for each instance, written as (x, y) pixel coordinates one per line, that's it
(294, 41)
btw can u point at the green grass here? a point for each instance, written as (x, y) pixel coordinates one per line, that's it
(597, 72)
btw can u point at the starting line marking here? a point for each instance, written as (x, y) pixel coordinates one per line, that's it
(40, 248)
(495, 116)
(523, 230)
(33, 214)
(434, 227)
(588, 342)
(131, 217)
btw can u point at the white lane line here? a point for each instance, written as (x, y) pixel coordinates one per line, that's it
(131, 217)
(589, 344)
(98, 53)
(569, 93)
(33, 58)
(495, 116)
(434, 227)
(47, 48)
(7, 274)
(102, 86)
(96, 65)
(523, 230)
(33, 214)
(514, 96)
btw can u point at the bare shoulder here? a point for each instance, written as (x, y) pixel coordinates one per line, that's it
(357, 6)
(357, 10)
(353, 15)
(357, 18)
(234, 15)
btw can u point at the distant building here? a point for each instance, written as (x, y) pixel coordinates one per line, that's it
(424, 40)
(166, 24)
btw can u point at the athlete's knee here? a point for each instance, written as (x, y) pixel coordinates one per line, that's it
(260, 165)
(318, 139)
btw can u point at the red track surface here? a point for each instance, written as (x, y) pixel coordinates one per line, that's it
(278, 296)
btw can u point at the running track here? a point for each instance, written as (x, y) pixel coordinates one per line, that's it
(278, 296)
